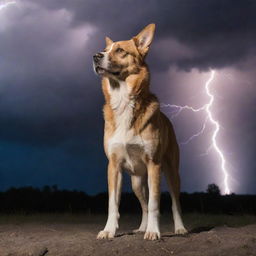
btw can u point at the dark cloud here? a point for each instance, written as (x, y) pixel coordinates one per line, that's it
(219, 33)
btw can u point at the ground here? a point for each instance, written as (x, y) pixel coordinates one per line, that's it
(75, 235)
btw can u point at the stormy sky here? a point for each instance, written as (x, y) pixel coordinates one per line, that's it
(51, 125)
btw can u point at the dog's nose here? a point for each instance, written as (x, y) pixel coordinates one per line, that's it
(97, 56)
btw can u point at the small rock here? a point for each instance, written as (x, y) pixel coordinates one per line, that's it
(39, 252)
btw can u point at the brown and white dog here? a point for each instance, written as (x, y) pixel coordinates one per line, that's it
(138, 137)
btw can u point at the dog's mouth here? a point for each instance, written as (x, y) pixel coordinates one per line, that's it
(101, 71)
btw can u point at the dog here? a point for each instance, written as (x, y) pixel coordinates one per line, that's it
(138, 137)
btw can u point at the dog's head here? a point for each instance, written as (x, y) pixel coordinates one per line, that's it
(123, 58)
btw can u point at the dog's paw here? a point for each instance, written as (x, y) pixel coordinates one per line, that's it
(181, 231)
(152, 235)
(105, 235)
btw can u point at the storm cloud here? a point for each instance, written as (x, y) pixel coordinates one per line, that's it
(50, 99)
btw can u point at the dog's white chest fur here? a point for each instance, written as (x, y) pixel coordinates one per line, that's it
(128, 146)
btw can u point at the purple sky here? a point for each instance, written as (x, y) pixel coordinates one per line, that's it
(51, 125)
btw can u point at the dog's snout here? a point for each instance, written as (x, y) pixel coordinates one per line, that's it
(97, 56)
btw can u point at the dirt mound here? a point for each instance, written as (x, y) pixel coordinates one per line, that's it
(78, 239)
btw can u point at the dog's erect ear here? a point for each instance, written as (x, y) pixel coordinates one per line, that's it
(144, 39)
(108, 41)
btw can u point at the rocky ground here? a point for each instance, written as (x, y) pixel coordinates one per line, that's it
(74, 235)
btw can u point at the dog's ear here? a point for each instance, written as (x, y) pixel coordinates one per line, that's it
(144, 39)
(108, 41)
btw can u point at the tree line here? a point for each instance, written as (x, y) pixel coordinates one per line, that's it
(52, 199)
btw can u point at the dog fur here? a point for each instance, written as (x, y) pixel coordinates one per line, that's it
(138, 137)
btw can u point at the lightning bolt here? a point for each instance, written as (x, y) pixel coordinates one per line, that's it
(201, 131)
(209, 117)
(6, 4)
(216, 131)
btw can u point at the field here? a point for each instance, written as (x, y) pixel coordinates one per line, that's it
(74, 235)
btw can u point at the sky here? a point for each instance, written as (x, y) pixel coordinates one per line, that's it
(51, 124)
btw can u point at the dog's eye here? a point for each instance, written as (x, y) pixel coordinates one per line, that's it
(119, 50)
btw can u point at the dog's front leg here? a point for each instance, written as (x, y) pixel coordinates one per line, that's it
(154, 178)
(114, 192)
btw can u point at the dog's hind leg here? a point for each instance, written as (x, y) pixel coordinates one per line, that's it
(171, 171)
(140, 188)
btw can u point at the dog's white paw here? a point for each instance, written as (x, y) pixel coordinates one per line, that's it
(105, 235)
(181, 231)
(152, 235)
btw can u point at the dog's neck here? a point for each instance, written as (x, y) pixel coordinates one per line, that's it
(121, 97)
(135, 87)
(126, 100)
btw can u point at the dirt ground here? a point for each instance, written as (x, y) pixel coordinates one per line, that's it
(74, 235)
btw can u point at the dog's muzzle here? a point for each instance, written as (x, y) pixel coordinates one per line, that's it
(97, 57)
(97, 60)
(98, 66)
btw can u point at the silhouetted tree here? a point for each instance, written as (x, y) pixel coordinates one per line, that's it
(55, 188)
(213, 189)
(48, 199)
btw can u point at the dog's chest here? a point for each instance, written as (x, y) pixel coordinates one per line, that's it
(124, 142)
(123, 108)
